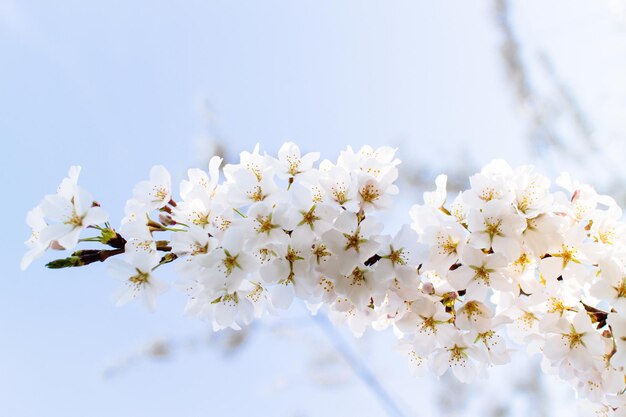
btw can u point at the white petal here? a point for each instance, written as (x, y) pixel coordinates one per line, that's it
(282, 295)
(94, 216)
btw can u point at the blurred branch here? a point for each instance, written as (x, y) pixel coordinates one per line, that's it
(561, 132)
(543, 111)
(227, 341)
(359, 366)
(570, 104)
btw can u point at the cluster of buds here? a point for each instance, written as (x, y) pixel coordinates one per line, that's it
(506, 262)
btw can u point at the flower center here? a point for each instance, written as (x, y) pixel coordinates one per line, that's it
(256, 194)
(309, 217)
(357, 277)
(160, 193)
(457, 354)
(140, 279)
(482, 273)
(75, 220)
(574, 338)
(396, 256)
(265, 224)
(354, 241)
(230, 262)
(567, 255)
(320, 252)
(369, 193)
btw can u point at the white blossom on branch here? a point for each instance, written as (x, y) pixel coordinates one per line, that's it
(506, 259)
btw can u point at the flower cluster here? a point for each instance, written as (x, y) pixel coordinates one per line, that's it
(505, 261)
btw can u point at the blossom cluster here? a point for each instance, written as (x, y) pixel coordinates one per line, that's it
(507, 261)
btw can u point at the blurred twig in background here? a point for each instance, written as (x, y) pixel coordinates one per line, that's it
(543, 111)
(326, 367)
(227, 342)
(359, 367)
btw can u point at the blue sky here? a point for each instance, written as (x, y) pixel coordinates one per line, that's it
(119, 87)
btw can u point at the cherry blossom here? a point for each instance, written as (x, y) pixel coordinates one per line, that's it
(68, 213)
(36, 221)
(155, 192)
(479, 272)
(136, 274)
(574, 342)
(291, 163)
(507, 263)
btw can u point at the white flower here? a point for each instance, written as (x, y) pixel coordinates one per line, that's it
(203, 214)
(611, 285)
(351, 241)
(376, 192)
(584, 199)
(417, 362)
(137, 229)
(576, 343)
(524, 313)
(400, 252)
(606, 232)
(289, 271)
(313, 219)
(70, 214)
(474, 315)
(342, 311)
(506, 252)
(490, 184)
(246, 188)
(322, 291)
(494, 347)
(361, 287)
(292, 164)
(367, 159)
(595, 384)
(496, 226)
(446, 242)
(228, 265)
(227, 309)
(479, 272)
(400, 257)
(532, 193)
(60, 218)
(437, 198)
(200, 185)
(139, 240)
(459, 355)
(268, 224)
(459, 208)
(231, 308)
(258, 165)
(156, 192)
(137, 276)
(543, 232)
(427, 323)
(340, 186)
(557, 301)
(194, 242)
(566, 260)
(251, 181)
(36, 247)
(134, 210)
(67, 187)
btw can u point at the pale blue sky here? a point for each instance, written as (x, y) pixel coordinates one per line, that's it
(119, 87)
